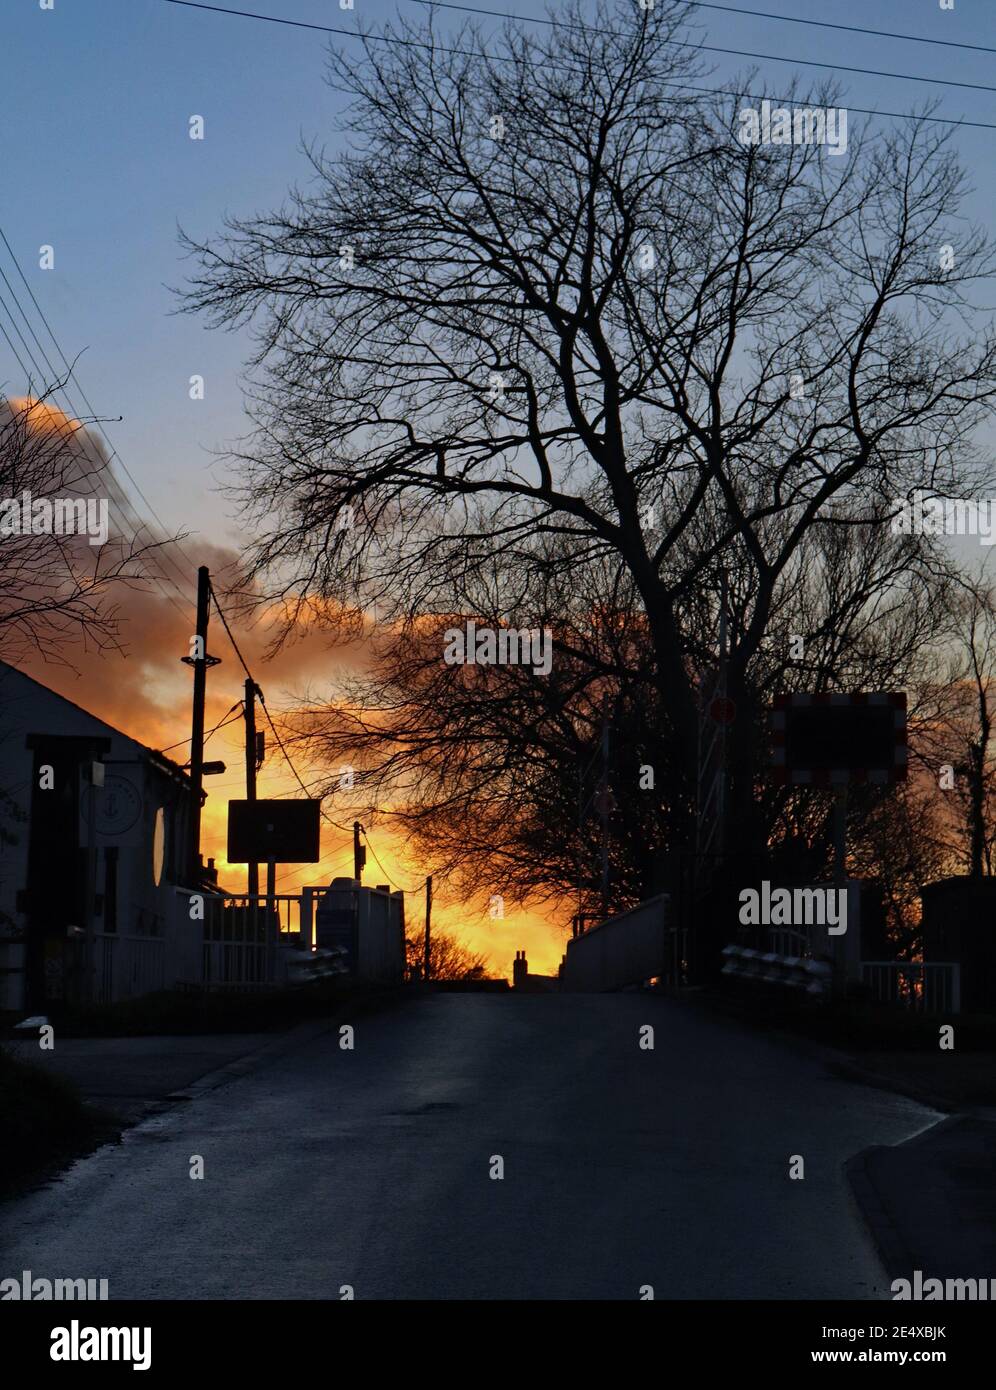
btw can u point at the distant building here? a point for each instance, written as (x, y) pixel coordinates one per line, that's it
(89, 907)
(531, 984)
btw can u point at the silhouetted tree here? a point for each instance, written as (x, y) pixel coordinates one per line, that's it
(56, 588)
(549, 307)
(449, 958)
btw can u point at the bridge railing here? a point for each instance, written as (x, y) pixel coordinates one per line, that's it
(930, 987)
(639, 945)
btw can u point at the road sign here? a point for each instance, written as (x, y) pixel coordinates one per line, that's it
(285, 831)
(835, 740)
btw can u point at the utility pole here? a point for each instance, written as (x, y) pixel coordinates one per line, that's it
(200, 661)
(426, 967)
(359, 852)
(840, 880)
(605, 800)
(252, 884)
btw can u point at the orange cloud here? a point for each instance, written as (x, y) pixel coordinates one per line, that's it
(145, 691)
(43, 418)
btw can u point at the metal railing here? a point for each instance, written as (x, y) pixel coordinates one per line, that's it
(788, 941)
(246, 939)
(930, 987)
(124, 966)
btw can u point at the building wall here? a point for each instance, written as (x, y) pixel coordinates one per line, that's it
(112, 852)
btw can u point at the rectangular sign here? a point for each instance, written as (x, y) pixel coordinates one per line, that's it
(833, 740)
(285, 831)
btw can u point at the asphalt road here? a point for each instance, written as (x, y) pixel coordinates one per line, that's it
(623, 1167)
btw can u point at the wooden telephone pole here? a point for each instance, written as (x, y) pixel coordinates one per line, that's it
(252, 871)
(359, 852)
(200, 661)
(426, 967)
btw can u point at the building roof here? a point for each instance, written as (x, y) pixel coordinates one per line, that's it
(164, 763)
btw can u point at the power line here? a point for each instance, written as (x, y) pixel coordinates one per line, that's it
(381, 866)
(73, 445)
(220, 725)
(72, 376)
(262, 701)
(728, 9)
(685, 86)
(846, 28)
(712, 48)
(36, 371)
(235, 645)
(292, 873)
(280, 745)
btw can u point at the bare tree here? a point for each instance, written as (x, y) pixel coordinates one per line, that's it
(449, 958)
(549, 296)
(960, 758)
(57, 587)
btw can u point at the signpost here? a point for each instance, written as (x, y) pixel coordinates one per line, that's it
(836, 741)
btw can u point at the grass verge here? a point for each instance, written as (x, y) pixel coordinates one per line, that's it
(173, 1012)
(45, 1125)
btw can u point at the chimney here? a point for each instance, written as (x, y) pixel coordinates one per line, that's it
(520, 970)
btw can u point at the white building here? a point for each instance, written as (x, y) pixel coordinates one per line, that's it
(89, 907)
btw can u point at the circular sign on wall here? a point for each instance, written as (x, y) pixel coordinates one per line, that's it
(117, 806)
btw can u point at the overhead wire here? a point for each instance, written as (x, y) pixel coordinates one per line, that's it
(280, 744)
(35, 372)
(685, 86)
(228, 719)
(122, 497)
(706, 47)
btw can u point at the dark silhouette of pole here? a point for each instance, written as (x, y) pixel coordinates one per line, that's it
(359, 853)
(252, 885)
(200, 664)
(605, 807)
(426, 967)
(840, 880)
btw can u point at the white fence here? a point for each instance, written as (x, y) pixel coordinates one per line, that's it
(240, 943)
(247, 940)
(930, 987)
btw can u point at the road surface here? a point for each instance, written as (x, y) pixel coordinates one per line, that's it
(371, 1169)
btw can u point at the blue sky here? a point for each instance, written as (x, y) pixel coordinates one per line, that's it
(96, 97)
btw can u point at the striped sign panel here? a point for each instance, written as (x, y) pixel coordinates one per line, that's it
(835, 740)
